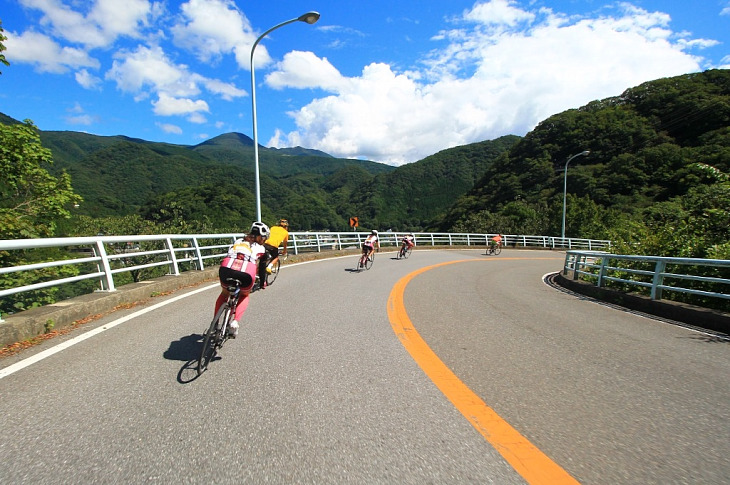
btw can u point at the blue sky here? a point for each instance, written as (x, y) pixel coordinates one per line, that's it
(390, 81)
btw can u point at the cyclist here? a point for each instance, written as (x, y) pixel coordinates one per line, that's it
(495, 241)
(241, 263)
(408, 241)
(279, 237)
(368, 246)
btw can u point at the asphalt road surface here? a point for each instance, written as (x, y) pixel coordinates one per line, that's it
(321, 386)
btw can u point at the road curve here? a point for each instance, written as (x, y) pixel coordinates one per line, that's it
(319, 388)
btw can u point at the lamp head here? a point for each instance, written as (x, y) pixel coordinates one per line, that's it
(309, 17)
(585, 152)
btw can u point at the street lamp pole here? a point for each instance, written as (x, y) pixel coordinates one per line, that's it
(310, 18)
(565, 188)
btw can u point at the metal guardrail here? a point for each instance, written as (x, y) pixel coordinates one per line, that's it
(601, 267)
(100, 258)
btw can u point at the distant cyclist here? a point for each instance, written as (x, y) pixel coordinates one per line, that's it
(368, 246)
(279, 237)
(408, 241)
(241, 263)
(496, 241)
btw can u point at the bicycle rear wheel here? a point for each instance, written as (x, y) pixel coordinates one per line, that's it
(271, 277)
(369, 260)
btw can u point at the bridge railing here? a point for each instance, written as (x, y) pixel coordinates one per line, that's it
(62, 261)
(653, 273)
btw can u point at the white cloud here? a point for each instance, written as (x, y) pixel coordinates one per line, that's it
(214, 28)
(150, 67)
(87, 80)
(47, 55)
(170, 106)
(169, 128)
(197, 118)
(305, 70)
(504, 69)
(80, 120)
(104, 21)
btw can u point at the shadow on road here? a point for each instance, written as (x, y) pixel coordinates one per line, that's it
(188, 350)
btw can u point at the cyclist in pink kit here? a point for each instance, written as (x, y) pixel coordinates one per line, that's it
(241, 263)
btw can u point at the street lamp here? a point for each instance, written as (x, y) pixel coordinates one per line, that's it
(565, 187)
(310, 18)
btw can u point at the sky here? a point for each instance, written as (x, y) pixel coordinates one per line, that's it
(382, 80)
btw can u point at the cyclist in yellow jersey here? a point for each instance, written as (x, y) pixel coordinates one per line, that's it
(279, 236)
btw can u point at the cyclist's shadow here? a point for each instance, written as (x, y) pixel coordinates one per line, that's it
(188, 350)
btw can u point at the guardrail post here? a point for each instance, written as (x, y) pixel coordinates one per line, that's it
(173, 257)
(339, 242)
(602, 272)
(198, 254)
(107, 282)
(656, 292)
(316, 238)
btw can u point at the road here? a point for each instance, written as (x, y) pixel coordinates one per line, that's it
(319, 388)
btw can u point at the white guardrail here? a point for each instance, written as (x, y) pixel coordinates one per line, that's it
(102, 257)
(653, 272)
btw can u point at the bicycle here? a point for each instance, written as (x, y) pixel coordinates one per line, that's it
(271, 277)
(217, 332)
(404, 251)
(494, 249)
(365, 261)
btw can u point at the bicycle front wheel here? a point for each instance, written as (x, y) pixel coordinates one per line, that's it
(497, 250)
(210, 341)
(271, 277)
(407, 252)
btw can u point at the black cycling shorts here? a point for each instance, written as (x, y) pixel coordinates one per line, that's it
(245, 278)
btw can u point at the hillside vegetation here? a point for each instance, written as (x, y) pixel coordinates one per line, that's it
(655, 179)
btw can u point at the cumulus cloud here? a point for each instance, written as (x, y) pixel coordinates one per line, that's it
(503, 69)
(87, 80)
(168, 106)
(99, 26)
(44, 53)
(170, 128)
(213, 28)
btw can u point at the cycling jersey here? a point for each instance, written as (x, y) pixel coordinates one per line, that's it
(278, 236)
(370, 240)
(243, 255)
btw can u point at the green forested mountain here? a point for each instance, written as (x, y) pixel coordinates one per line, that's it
(653, 144)
(212, 184)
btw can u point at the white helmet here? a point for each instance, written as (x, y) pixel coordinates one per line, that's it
(260, 229)
(374, 232)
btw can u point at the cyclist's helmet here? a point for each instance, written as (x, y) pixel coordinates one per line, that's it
(260, 229)
(284, 223)
(374, 232)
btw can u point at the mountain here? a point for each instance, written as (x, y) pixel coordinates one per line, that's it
(118, 176)
(648, 145)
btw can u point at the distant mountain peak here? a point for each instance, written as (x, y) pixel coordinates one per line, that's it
(228, 139)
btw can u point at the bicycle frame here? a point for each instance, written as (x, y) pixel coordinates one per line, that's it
(217, 332)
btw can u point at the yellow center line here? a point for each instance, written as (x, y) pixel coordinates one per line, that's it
(531, 463)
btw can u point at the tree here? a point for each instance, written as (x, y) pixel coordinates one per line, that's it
(32, 200)
(2, 46)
